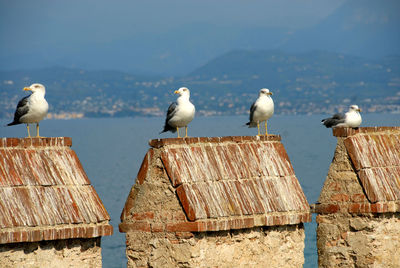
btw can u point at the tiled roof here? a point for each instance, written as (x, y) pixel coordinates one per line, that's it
(234, 179)
(364, 176)
(376, 158)
(231, 179)
(45, 193)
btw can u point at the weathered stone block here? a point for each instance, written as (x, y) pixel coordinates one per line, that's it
(84, 253)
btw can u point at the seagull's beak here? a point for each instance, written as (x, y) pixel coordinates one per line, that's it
(270, 93)
(359, 109)
(27, 88)
(176, 92)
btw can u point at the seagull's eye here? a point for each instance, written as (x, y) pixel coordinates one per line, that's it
(185, 89)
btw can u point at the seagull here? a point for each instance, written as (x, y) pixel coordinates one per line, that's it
(180, 113)
(32, 108)
(350, 119)
(261, 110)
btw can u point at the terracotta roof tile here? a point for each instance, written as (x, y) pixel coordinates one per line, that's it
(43, 185)
(376, 157)
(233, 178)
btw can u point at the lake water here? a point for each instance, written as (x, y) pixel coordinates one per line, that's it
(111, 151)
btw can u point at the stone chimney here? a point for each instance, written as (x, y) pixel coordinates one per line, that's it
(50, 214)
(215, 202)
(359, 205)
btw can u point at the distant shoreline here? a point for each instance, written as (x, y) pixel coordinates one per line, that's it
(198, 116)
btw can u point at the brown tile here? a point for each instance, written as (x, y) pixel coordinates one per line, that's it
(142, 226)
(340, 197)
(191, 140)
(185, 227)
(171, 167)
(143, 216)
(12, 142)
(183, 191)
(143, 171)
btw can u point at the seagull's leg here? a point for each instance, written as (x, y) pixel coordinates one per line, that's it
(37, 130)
(258, 127)
(185, 131)
(27, 127)
(177, 129)
(266, 132)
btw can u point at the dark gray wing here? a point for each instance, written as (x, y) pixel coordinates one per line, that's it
(334, 120)
(22, 109)
(170, 113)
(252, 109)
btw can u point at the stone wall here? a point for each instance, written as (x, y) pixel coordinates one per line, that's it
(280, 246)
(353, 231)
(159, 232)
(346, 240)
(56, 253)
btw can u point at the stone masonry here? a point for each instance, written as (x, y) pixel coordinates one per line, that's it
(215, 202)
(359, 205)
(82, 253)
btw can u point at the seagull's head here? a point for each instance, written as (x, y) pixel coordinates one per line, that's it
(39, 88)
(355, 108)
(182, 91)
(265, 91)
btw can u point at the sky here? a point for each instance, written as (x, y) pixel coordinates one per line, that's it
(58, 30)
(24, 24)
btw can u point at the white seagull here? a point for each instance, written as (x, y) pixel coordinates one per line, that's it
(261, 110)
(32, 108)
(180, 113)
(350, 119)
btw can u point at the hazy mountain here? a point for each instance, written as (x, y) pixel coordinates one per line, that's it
(174, 52)
(364, 28)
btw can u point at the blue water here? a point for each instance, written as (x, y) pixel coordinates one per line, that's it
(111, 151)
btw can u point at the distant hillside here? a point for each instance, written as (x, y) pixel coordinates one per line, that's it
(366, 28)
(314, 82)
(311, 79)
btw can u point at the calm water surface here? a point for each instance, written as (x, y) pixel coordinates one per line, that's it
(111, 151)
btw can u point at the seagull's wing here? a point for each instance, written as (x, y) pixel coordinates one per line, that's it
(170, 113)
(338, 116)
(334, 120)
(252, 109)
(22, 109)
(171, 110)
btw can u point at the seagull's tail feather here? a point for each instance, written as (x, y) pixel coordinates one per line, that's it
(251, 124)
(329, 122)
(13, 123)
(168, 128)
